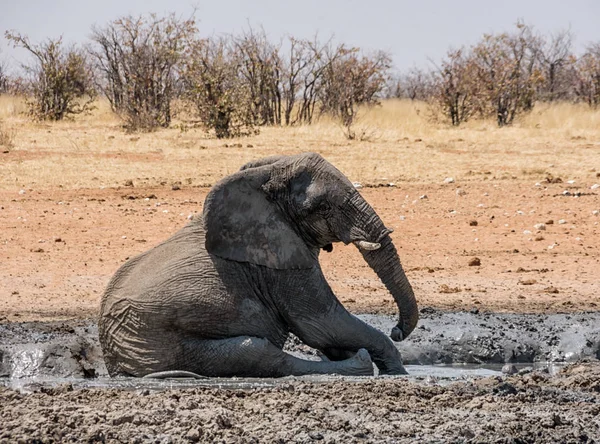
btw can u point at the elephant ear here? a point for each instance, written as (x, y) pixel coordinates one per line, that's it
(243, 225)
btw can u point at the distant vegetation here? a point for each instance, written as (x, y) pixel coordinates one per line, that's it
(235, 84)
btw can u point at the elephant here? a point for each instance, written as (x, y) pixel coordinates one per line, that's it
(220, 297)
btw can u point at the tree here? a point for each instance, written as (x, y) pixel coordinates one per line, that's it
(137, 58)
(213, 84)
(261, 71)
(415, 84)
(61, 81)
(352, 79)
(556, 59)
(454, 92)
(507, 69)
(3, 77)
(587, 73)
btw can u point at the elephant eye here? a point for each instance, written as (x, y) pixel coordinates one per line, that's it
(324, 207)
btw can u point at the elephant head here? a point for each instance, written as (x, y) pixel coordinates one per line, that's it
(280, 211)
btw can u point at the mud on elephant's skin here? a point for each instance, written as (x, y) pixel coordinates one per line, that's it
(220, 297)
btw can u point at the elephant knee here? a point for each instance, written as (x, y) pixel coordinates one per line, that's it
(260, 350)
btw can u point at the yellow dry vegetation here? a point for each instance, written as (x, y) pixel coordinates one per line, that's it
(397, 142)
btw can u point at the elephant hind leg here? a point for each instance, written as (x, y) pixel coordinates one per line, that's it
(258, 357)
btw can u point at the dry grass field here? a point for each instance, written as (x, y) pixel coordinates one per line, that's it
(400, 145)
(79, 197)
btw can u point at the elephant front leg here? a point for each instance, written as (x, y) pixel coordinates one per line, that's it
(258, 357)
(339, 335)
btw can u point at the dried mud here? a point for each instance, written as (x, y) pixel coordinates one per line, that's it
(530, 407)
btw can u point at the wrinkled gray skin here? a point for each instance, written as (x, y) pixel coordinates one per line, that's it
(220, 297)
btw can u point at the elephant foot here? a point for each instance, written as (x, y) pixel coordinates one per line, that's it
(358, 365)
(397, 369)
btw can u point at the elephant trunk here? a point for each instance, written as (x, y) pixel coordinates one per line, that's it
(386, 263)
(372, 238)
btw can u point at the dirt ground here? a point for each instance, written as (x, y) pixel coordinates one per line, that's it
(58, 248)
(530, 407)
(79, 198)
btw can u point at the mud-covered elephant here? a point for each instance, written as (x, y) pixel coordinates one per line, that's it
(220, 297)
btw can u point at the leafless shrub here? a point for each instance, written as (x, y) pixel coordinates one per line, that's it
(137, 58)
(498, 77)
(415, 84)
(261, 72)
(587, 76)
(507, 72)
(60, 82)
(3, 77)
(351, 80)
(453, 93)
(557, 60)
(213, 84)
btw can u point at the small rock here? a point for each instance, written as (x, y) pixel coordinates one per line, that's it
(129, 183)
(37, 250)
(449, 180)
(509, 369)
(528, 282)
(249, 145)
(176, 188)
(315, 435)
(566, 193)
(193, 435)
(190, 217)
(595, 186)
(424, 196)
(538, 238)
(357, 185)
(595, 212)
(551, 289)
(549, 222)
(571, 182)
(526, 232)
(562, 222)
(474, 262)
(123, 237)
(540, 227)
(460, 192)
(473, 223)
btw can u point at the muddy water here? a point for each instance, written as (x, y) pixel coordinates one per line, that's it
(445, 347)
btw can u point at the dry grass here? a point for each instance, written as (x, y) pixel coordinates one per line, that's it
(401, 145)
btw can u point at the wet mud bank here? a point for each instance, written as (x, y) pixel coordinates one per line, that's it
(70, 349)
(54, 388)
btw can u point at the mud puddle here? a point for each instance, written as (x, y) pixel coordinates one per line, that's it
(445, 347)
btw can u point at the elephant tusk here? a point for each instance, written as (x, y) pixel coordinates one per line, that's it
(369, 246)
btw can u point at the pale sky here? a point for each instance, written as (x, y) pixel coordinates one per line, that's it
(412, 31)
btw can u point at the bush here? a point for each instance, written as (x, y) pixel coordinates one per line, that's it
(213, 83)
(60, 83)
(137, 58)
(351, 80)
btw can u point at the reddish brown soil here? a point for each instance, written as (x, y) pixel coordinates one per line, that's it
(58, 248)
